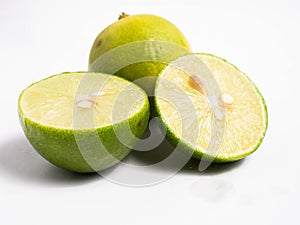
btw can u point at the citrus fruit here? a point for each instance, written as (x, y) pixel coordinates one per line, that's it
(83, 122)
(210, 108)
(137, 46)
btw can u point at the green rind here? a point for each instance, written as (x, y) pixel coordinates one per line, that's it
(139, 28)
(134, 28)
(59, 146)
(186, 147)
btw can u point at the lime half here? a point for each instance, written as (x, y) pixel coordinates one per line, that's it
(74, 120)
(222, 117)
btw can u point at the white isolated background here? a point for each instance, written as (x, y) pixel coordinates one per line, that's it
(40, 38)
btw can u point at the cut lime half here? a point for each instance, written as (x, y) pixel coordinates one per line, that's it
(227, 116)
(73, 119)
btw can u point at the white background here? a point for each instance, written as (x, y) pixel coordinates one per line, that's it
(41, 38)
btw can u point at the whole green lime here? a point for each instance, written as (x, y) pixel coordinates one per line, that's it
(83, 122)
(137, 46)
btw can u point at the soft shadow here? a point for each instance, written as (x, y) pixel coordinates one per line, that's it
(213, 169)
(156, 155)
(19, 160)
(164, 150)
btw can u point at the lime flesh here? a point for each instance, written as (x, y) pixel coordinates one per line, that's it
(243, 121)
(61, 116)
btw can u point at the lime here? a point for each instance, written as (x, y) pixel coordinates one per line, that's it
(137, 46)
(76, 120)
(226, 119)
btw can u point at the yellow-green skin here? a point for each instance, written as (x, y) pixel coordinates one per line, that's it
(59, 146)
(137, 28)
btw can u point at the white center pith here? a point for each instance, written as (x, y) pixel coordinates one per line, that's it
(226, 99)
(86, 101)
